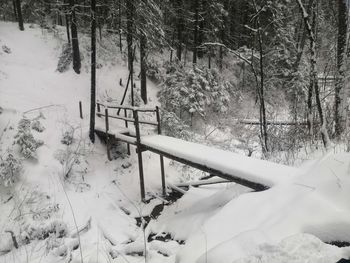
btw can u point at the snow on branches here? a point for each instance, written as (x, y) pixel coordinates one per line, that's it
(194, 91)
(10, 169)
(25, 139)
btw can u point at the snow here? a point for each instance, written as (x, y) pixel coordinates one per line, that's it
(315, 202)
(218, 223)
(229, 163)
(28, 81)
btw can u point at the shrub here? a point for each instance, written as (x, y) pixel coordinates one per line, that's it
(40, 232)
(10, 169)
(6, 49)
(154, 71)
(174, 126)
(37, 126)
(25, 139)
(67, 137)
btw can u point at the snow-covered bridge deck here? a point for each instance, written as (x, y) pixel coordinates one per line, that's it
(253, 173)
(248, 171)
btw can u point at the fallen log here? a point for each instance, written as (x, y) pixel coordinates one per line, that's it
(203, 182)
(282, 123)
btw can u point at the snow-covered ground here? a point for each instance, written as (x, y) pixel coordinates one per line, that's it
(72, 205)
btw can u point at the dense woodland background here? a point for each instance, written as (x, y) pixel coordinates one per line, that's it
(281, 67)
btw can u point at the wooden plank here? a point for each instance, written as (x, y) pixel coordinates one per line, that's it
(128, 119)
(148, 122)
(203, 182)
(116, 117)
(139, 109)
(178, 189)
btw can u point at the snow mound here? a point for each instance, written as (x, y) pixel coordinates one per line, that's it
(315, 202)
(295, 249)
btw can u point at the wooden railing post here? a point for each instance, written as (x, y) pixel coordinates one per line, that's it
(107, 138)
(124, 95)
(161, 157)
(139, 153)
(127, 126)
(98, 110)
(81, 110)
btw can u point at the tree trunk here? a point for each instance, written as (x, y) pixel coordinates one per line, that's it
(14, 9)
(196, 31)
(120, 25)
(313, 68)
(223, 41)
(93, 71)
(143, 47)
(179, 28)
(261, 87)
(75, 41)
(129, 39)
(67, 28)
(19, 15)
(203, 8)
(339, 114)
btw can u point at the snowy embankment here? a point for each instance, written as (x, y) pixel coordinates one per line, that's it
(71, 185)
(261, 226)
(71, 204)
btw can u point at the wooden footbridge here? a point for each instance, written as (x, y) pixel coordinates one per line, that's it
(253, 173)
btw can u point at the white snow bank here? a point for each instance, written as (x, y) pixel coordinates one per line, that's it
(316, 202)
(28, 80)
(295, 249)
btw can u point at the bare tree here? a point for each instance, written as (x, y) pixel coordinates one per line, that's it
(310, 27)
(339, 114)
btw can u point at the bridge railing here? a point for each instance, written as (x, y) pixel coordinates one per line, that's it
(136, 121)
(126, 109)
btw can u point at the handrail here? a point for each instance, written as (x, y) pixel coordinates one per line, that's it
(116, 117)
(128, 119)
(140, 109)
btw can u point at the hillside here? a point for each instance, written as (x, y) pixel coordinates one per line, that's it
(70, 204)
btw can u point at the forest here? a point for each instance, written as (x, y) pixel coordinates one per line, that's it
(174, 131)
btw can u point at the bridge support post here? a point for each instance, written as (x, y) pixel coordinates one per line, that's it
(139, 154)
(107, 138)
(126, 126)
(160, 156)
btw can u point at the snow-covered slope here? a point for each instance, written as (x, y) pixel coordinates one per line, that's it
(100, 199)
(30, 87)
(253, 224)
